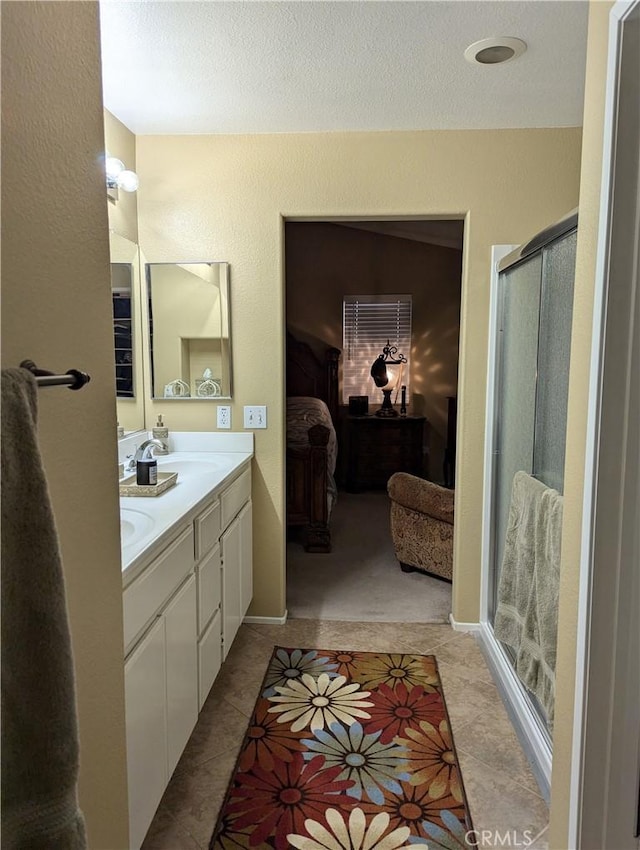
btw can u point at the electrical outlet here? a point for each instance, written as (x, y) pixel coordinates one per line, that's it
(224, 416)
(255, 416)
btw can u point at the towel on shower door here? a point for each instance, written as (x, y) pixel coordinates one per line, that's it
(527, 612)
(39, 728)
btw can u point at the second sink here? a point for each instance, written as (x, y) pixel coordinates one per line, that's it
(134, 524)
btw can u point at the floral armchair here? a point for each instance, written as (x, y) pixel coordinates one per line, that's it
(422, 524)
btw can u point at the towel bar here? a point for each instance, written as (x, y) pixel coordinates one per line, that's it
(73, 379)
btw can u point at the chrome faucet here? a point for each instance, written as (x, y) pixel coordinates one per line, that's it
(133, 459)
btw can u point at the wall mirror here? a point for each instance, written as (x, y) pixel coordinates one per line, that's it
(127, 331)
(189, 330)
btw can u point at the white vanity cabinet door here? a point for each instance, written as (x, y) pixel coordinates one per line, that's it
(146, 724)
(246, 558)
(236, 545)
(181, 632)
(209, 657)
(231, 549)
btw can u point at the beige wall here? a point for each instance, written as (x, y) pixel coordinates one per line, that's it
(56, 310)
(581, 341)
(325, 262)
(223, 198)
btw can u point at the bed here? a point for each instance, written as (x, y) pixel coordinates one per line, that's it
(312, 410)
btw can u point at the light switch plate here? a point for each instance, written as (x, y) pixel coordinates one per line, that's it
(224, 416)
(255, 416)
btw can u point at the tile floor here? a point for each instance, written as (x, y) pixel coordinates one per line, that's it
(501, 790)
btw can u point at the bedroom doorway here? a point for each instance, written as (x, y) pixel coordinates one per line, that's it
(405, 279)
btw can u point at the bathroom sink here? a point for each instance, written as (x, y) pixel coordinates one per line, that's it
(134, 525)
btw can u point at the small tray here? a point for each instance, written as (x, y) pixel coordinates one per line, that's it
(128, 486)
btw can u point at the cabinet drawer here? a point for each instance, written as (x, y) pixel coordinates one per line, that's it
(235, 496)
(207, 526)
(209, 658)
(144, 598)
(209, 587)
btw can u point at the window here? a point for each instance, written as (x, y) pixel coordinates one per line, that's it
(368, 322)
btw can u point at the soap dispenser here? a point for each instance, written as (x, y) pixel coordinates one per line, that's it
(147, 467)
(161, 432)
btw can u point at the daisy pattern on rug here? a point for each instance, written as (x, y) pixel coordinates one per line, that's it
(394, 668)
(456, 836)
(347, 663)
(432, 761)
(291, 664)
(268, 740)
(317, 703)
(393, 710)
(352, 834)
(370, 764)
(278, 801)
(413, 806)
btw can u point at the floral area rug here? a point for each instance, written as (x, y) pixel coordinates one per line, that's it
(347, 751)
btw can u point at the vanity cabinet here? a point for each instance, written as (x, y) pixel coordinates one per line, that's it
(146, 718)
(181, 615)
(182, 670)
(237, 583)
(161, 704)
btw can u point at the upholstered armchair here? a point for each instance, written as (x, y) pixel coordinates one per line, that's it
(422, 524)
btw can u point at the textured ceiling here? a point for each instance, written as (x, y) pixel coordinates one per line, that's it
(271, 67)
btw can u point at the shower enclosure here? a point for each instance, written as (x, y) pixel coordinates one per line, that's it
(526, 426)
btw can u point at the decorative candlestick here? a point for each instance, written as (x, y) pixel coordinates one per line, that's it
(403, 402)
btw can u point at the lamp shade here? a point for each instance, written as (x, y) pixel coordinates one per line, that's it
(113, 167)
(128, 181)
(379, 372)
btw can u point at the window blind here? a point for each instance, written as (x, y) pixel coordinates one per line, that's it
(368, 321)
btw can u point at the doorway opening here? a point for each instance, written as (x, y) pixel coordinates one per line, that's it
(353, 287)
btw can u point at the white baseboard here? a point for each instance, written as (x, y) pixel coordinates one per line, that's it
(528, 727)
(267, 621)
(463, 627)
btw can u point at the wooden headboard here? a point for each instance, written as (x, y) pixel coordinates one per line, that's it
(308, 376)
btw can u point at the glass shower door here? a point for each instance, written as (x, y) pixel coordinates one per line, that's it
(519, 314)
(554, 348)
(535, 301)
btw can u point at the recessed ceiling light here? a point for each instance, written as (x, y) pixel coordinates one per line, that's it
(493, 51)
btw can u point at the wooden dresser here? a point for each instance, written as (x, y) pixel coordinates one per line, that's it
(377, 446)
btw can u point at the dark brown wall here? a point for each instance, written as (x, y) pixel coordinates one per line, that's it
(326, 261)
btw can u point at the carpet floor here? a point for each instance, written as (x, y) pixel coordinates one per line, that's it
(346, 750)
(360, 579)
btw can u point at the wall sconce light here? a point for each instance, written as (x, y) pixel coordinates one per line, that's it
(118, 177)
(386, 378)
